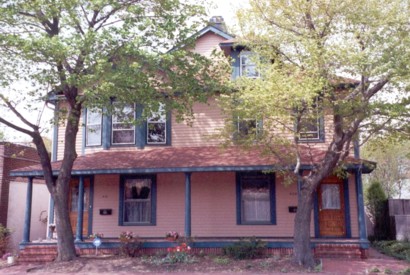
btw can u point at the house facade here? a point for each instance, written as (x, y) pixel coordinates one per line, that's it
(164, 175)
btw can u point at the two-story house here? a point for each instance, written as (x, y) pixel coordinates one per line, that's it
(165, 175)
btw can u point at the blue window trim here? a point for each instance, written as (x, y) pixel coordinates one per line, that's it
(321, 138)
(91, 207)
(272, 183)
(85, 130)
(153, 178)
(167, 129)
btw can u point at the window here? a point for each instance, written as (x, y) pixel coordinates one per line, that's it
(93, 127)
(123, 129)
(311, 126)
(330, 196)
(137, 202)
(247, 65)
(247, 127)
(157, 127)
(256, 198)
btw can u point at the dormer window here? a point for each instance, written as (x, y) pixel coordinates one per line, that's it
(93, 132)
(248, 65)
(157, 127)
(123, 127)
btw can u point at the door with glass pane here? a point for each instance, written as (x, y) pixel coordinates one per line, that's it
(73, 204)
(331, 208)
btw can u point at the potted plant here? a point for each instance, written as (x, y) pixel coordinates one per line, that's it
(172, 236)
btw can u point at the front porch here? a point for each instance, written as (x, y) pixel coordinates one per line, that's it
(46, 251)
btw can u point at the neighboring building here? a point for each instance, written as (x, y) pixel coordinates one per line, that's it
(13, 192)
(165, 175)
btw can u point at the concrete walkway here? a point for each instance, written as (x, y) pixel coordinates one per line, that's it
(383, 263)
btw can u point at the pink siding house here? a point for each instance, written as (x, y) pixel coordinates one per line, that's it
(167, 176)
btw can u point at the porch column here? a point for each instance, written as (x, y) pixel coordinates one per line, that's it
(51, 217)
(187, 204)
(27, 216)
(360, 205)
(80, 211)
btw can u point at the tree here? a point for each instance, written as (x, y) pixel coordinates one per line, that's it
(1, 136)
(87, 53)
(393, 164)
(346, 61)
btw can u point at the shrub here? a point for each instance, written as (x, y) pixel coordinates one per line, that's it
(245, 249)
(397, 249)
(129, 244)
(4, 238)
(179, 254)
(376, 203)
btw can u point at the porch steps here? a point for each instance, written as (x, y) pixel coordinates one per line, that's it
(37, 254)
(338, 251)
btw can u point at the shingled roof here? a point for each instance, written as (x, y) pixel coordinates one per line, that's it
(182, 159)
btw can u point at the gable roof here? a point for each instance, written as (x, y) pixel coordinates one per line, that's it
(184, 159)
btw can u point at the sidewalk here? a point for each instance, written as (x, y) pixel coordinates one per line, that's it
(383, 263)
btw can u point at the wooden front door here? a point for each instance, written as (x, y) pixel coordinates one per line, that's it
(331, 208)
(73, 204)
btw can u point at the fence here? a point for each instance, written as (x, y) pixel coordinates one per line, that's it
(399, 213)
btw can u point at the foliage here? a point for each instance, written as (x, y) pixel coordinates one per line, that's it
(331, 60)
(245, 249)
(397, 249)
(1, 136)
(179, 254)
(129, 244)
(89, 53)
(96, 235)
(4, 239)
(393, 165)
(376, 204)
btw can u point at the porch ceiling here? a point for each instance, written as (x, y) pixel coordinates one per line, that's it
(186, 159)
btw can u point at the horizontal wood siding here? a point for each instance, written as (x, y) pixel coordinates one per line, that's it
(208, 120)
(213, 207)
(61, 135)
(207, 43)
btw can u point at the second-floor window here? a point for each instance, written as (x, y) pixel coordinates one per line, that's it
(123, 126)
(311, 126)
(157, 127)
(248, 65)
(93, 133)
(248, 128)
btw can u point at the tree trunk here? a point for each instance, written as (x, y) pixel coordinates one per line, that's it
(65, 240)
(302, 252)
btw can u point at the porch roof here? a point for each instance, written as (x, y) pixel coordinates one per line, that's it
(187, 159)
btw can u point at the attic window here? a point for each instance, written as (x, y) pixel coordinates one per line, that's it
(248, 65)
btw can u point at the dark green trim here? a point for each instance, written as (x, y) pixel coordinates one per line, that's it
(153, 178)
(91, 207)
(347, 208)
(27, 214)
(106, 130)
(272, 184)
(55, 133)
(360, 205)
(316, 214)
(39, 173)
(140, 128)
(80, 211)
(84, 131)
(51, 216)
(187, 204)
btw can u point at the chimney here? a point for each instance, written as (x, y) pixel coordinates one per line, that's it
(218, 22)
